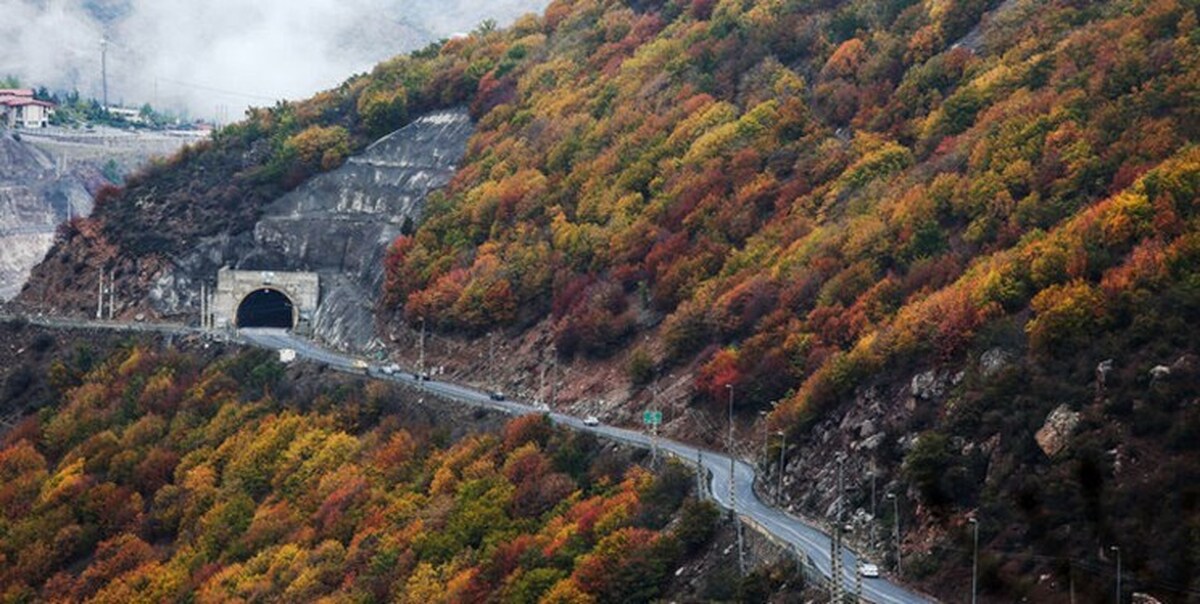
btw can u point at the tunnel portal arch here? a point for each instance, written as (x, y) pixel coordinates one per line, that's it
(267, 307)
(279, 299)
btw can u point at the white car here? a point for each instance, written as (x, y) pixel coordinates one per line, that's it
(868, 570)
(591, 420)
(392, 369)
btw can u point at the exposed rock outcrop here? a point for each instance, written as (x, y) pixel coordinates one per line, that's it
(48, 176)
(35, 196)
(339, 225)
(993, 361)
(1054, 435)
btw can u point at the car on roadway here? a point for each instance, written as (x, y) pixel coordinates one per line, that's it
(591, 420)
(868, 570)
(496, 395)
(392, 369)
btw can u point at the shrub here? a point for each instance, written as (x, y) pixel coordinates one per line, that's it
(640, 367)
(1065, 315)
(697, 524)
(927, 464)
(383, 109)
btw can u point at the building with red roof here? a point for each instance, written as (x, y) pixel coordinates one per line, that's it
(19, 109)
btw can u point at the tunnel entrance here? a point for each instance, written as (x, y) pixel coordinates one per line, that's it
(266, 308)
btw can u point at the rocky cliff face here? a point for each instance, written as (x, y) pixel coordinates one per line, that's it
(49, 176)
(338, 224)
(35, 196)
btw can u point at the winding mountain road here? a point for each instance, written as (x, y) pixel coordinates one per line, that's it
(806, 539)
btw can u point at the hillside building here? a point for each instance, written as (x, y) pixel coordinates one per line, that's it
(19, 109)
(133, 116)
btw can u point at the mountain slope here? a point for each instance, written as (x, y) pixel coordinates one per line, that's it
(838, 208)
(184, 475)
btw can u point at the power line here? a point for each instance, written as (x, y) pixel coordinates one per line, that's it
(205, 88)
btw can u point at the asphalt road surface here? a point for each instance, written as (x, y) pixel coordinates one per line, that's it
(805, 538)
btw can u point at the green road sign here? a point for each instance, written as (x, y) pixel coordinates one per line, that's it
(653, 418)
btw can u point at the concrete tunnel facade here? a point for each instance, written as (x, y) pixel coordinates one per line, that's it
(278, 299)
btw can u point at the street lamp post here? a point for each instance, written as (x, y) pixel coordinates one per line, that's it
(1118, 552)
(974, 558)
(733, 493)
(729, 449)
(766, 461)
(421, 350)
(782, 465)
(896, 530)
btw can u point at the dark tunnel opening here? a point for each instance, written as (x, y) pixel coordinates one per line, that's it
(266, 308)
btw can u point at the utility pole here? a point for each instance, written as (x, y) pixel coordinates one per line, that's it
(653, 444)
(729, 451)
(733, 491)
(112, 293)
(836, 554)
(553, 375)
(874, 507)
(1071, 579)
(835, 567)
(104, 68)
(541, 392)
(206, 316)
(858, 586)
(766, 458)
(1118, 552)
(975, 559)
(421, 351)
(100, 297)
(874, 534)
(654, 424)
(896, 530)
(782, 465)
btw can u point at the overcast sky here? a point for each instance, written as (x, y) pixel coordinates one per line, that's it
(216, 57)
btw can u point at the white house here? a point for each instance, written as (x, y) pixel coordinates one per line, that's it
(133, 116)
(18, 109)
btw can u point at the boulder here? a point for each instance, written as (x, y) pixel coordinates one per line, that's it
(993, 361)
(870, 443)
(928, 385)
(1055, 432)
(867, 428)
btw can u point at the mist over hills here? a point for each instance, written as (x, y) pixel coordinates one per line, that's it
(212, 59)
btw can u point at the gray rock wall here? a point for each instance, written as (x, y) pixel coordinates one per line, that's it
(47, 177)
(338, 224)
(34, 198)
